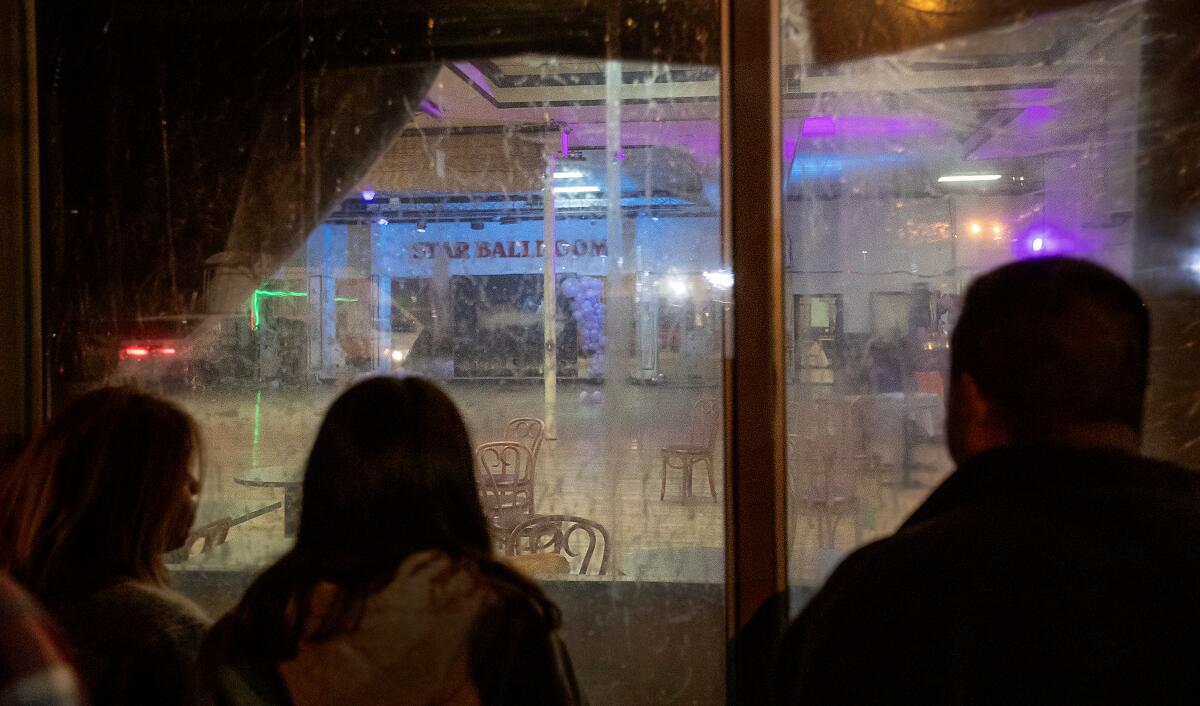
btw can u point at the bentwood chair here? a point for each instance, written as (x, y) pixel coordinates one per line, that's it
(552, 534)
(530, 431)
(823, 486)
(506, 476)
(705, 424)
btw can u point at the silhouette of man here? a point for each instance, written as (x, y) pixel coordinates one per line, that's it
(1055, 565)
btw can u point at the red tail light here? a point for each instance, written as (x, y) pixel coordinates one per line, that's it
(137, 351)
(167, 351)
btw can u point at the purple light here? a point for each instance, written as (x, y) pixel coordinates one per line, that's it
(1034, 95)
(868, 126)
(789, 150)
(1043, 240)
(368, 195)
(1035, 117)
(431, 109)
(819, 126)
(565, 140)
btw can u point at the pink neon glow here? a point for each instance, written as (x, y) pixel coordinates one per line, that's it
(1035, 116)
(1035, 95)
(1043, 240)
(861, 125)
(819, 126)
(167, 351)
(137, 351)
(566, 143)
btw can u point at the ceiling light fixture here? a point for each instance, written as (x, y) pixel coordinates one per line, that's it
(568, 174)
(576, 189)
(421, 226)
(961, 178)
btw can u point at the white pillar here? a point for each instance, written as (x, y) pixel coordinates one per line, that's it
(381, 303)
(322, 316)
(647, 328)
(549, 299)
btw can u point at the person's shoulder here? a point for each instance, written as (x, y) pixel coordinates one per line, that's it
(1165, 472)
(512, 591)
(861, 571)
(157, 612)
(227, 675)
(157, 601)
(856, 614)
(34, 665)
(519, 625)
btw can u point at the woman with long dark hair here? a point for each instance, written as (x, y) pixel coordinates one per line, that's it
(86, 514)
(391, 593)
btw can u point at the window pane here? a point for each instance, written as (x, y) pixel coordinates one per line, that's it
(906, 176)
(539, 213)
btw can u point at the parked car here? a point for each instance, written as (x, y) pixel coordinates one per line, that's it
(157, 352)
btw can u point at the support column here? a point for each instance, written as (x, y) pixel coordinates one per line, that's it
(549, 299)
(322, 316)
(381, 302)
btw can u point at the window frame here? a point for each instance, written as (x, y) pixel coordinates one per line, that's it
(754, 371)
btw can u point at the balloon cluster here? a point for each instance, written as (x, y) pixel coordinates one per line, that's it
(588, 311)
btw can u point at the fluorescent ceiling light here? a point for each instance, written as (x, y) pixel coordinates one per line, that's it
(952, 178)
(576, 189)
(569, 174)
(720, 279)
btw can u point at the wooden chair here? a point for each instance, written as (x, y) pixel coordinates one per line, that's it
(215, 533)
(822, 486)
(706, 423)
(870, 470)
(530, 431)
(552, 534)
(506, 484)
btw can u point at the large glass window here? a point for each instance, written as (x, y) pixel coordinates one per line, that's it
(247, 210)
(906, 175)
(540, 234)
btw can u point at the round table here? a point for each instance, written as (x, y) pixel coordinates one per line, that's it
(291, 479)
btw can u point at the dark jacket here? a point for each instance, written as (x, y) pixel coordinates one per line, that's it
(440, 633)
(1032, 575)
(134, 643)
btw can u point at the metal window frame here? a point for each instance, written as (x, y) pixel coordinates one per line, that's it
(752, 230)
(21, 374)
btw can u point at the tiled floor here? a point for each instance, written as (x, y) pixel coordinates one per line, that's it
(604, 465)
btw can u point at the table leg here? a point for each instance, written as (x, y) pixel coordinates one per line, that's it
(907, 482)
(291, 511)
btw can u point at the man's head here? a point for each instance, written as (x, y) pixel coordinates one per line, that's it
(1052, 350)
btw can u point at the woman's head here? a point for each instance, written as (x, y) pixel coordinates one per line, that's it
(390, 473)
(102, 491)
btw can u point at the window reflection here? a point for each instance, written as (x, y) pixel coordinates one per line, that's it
(906, 176)
(544, 255)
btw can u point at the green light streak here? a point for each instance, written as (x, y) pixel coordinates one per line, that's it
(260, 294)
